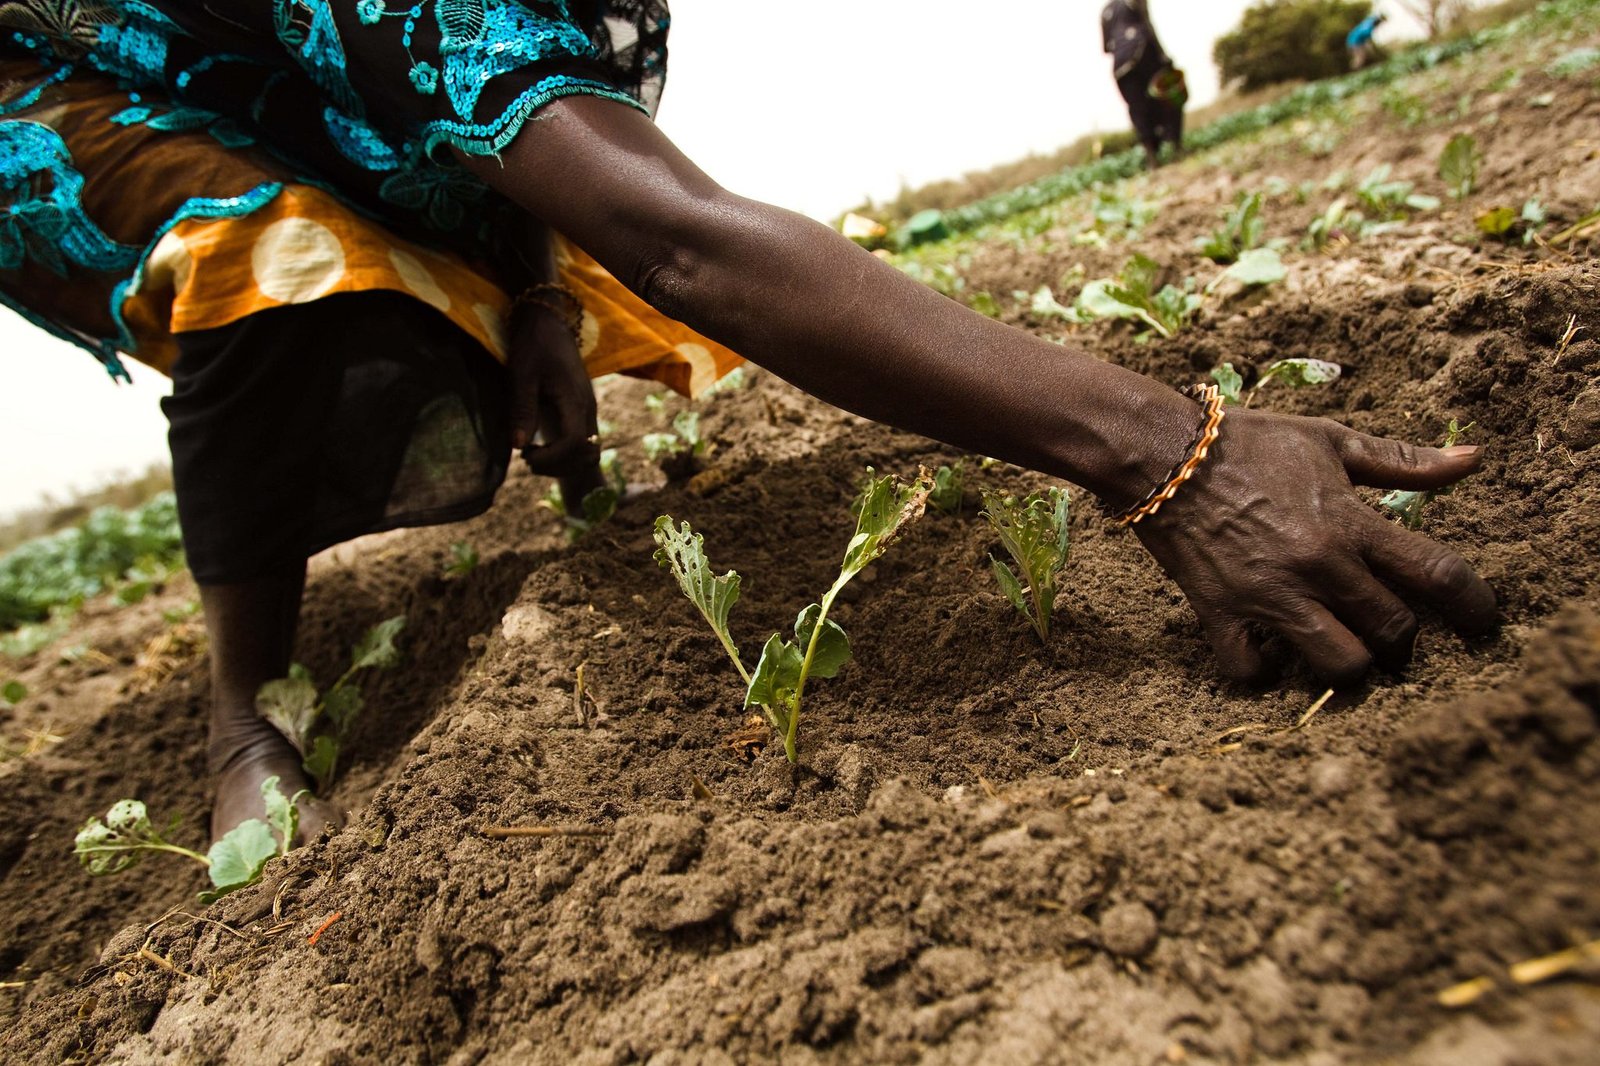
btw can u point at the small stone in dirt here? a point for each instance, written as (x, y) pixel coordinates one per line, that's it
(1582, 429)
(1331, 778)
(1129, 930)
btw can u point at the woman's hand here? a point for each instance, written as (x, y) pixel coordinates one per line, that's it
(554, 419)
(1271, 533)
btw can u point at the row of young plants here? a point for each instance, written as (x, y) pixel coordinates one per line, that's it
(317, 721)
(1033, 530)
(1306, 100)
(112, 548)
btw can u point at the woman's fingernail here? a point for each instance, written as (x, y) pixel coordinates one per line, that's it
(1463, 451)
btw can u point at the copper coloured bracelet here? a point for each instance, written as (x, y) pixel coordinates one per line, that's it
(1210, 398)
(559, 301)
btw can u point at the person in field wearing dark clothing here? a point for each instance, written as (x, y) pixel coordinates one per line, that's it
(1148, 79)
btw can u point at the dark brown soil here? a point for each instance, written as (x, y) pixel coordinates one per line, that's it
(991, 851)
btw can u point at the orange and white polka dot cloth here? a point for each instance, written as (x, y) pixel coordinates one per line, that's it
(305, 244)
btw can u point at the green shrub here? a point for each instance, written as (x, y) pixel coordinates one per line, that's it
(1288, 40)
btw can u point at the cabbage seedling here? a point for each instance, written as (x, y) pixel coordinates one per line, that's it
(1295, 373)
(1243, 228)
(127, 835)
(1035, 534)
(292, 705)
(820, 648)
(949, 485)
(1408, 505)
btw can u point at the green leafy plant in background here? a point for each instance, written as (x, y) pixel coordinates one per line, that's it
(598, 506)
(1133, 295)
(1409, 505)
(58, 572)
(1295, 373)
(1506, 223)
(1035, 533)
(684, 439)
(1459, 164)
(13, 692)
(1340, 220)
(1256, 268)
(1243, 228)
(295, 708)
(127, 835)
(463, 559)
(820, 648)
(1388, 200)
(949, 488)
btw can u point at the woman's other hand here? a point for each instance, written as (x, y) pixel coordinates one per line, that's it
(554, 419)
(1271, 533)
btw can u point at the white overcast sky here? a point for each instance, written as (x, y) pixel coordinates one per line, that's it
(814, 111)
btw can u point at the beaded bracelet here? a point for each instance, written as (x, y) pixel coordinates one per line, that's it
(1210, 398)
(559, 301)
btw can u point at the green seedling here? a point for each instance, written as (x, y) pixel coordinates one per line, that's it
(1295, 373)
(685, 439)
(1505, 223)
(295, 709)
(1459, 164)
(1035, 533)
(463, 559)
(127, 835)
(1133, 295)
(1339, 222)
(13, 692)
(1388, 200)
(1255, 268)
(949, 486)
(597, 506)
(820, 648)
(1243, 228)
(1409, 505)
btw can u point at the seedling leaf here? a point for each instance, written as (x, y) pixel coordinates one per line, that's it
(14, 692)
(1458, 165)
(885, 506)
(290, 704)
(323, 758)
(1229, 382)
(463, 559)
(1036, 534)
(342, 705)
(1009, 585)
(1299, 373)
(376, 649)
(282, 813)
(1497, 221)
(949, 486)
(832, 651)
(682, 550)
(777, 676)
(1258, 266)
(239, 857)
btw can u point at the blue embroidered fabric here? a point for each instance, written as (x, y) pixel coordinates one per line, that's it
(355, 96)
(346, 86)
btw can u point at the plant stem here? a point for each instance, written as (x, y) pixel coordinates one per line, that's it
(805, 666)
(733, 653)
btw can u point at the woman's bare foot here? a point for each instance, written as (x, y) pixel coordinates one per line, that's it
(238, 774)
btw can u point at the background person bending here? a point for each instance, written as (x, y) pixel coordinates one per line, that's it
(1363, 49)
(1146, 76)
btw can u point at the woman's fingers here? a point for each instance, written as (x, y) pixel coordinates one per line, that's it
(525, 398)
(1423, 568)
(1333, 652)
(1391, 464)
(1380, 618)
(1236, 647)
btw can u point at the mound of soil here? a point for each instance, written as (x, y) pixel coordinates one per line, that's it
(992, 850)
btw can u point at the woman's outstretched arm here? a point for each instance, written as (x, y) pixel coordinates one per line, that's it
(1270, 532)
